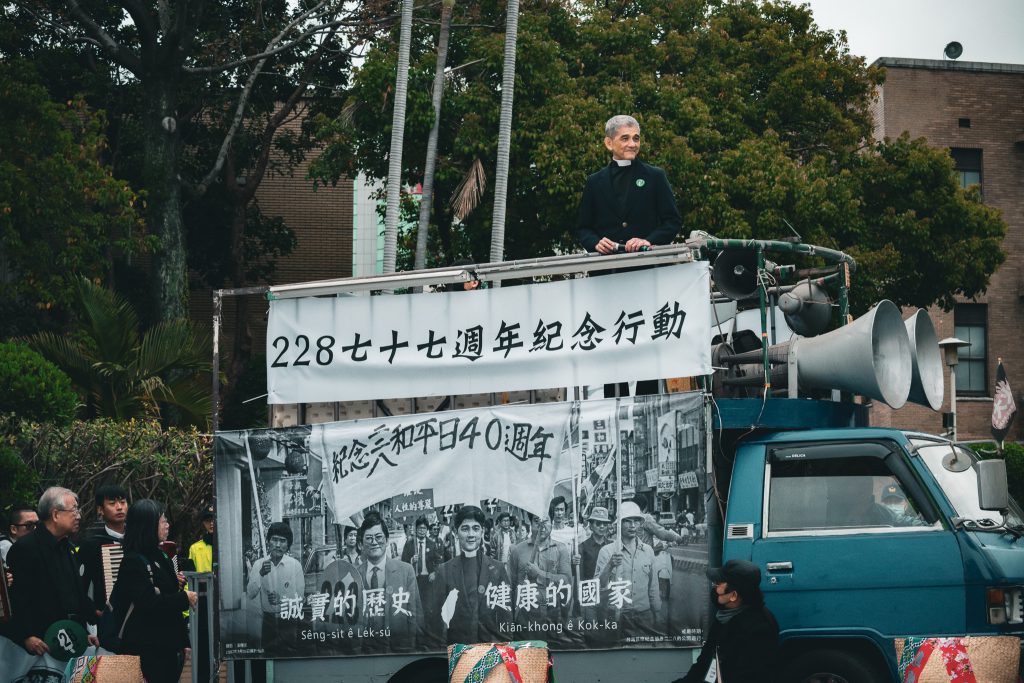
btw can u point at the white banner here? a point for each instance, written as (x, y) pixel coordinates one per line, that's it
(643, 324)
(513, 451)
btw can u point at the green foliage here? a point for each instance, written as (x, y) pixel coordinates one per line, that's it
(32, 387)
(124, 374)
(757, 115)
(173, 466)
(61, 209)
(20, 484)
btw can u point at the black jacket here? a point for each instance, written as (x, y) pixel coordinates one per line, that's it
(47, 585)
(157, 619)
(746, 646)
(92, 560)
(649, 211)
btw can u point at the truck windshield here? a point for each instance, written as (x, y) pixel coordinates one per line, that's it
(962, 487)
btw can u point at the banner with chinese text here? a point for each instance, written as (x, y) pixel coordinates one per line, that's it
(539, 555)
(642, 324)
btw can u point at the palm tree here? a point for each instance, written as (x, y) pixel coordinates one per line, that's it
(427, 194)
(122, 374)
(508, 82)
(397, 138)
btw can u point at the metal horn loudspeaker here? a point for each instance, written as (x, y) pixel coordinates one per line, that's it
(735, 273)
(927, 383)
(870, 356)
(807, 309)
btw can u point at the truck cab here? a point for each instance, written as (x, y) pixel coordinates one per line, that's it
(868, 535)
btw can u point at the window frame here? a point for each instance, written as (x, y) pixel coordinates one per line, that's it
(972, 315)
(968, 160)
(886, 451)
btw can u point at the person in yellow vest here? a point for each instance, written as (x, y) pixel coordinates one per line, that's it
(201, 552)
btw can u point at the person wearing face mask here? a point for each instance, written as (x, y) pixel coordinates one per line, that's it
(896, 503)
(742, 643)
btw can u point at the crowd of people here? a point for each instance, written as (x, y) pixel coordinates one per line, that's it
(55, 572)
(471, 577)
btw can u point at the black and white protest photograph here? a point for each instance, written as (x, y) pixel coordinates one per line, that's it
(579, 523)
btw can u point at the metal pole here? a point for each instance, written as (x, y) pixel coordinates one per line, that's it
(215, 403)
(952, 397)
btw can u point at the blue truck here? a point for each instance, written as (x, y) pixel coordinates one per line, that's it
(863, 535)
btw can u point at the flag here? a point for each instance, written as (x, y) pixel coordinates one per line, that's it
(594, 481)
(1003, 407)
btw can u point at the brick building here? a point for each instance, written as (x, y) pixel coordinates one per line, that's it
(976, 110)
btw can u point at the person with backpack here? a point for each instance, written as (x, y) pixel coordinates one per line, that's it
(152, 596)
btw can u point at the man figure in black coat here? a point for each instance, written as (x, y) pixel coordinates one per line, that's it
(627, 205)
(743, 640)
(47, 585)
(111, 511)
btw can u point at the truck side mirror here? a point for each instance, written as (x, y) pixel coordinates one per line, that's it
(992, 488)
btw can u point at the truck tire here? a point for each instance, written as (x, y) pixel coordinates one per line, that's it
(831, 666)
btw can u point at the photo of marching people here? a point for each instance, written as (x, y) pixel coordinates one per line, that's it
(571, 536)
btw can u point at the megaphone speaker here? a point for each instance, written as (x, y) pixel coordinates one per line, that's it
(735, 273)
(807, 309)
(926, 385)
(870, 357)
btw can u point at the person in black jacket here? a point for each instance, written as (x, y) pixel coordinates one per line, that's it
(743, 640)
(627, 204)
(45, 569)
(111, 511)
(156, 629)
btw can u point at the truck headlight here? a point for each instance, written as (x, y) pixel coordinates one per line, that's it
(1005, 605)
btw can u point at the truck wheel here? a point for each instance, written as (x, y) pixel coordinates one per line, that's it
(830, 666)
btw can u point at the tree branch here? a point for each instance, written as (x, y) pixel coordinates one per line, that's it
(121, 55)
(273, 47)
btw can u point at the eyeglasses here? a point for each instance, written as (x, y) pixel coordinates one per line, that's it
(27, 525)
(377, 539)
(75, 510)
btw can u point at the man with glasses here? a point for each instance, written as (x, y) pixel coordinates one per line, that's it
(277, 580)
(629, 581)
(391, 595)
(23, 521)
(47, 585)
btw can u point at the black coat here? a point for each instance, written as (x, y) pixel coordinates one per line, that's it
(747, 647)
(47, 585)
(649, 211)
(92, 560)
(157, 621)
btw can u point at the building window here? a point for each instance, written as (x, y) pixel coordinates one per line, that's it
(967, 165)
(970, 323)
(964, 123)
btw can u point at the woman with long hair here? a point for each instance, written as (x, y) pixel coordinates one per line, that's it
(156, 629)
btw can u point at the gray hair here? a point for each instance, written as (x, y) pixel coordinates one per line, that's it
(53, 499)
(611, 127)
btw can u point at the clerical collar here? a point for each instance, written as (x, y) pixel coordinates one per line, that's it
(622, 162)
(469, 553)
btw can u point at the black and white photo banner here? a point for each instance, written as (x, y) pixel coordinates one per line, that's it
(638, 325)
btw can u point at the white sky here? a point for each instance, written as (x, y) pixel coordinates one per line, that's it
(989, 30)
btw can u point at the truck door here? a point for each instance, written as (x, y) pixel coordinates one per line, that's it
(836, 558)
